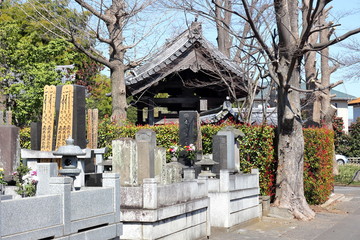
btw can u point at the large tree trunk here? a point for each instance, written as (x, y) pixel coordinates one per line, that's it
(223, 20)
(289, 182)
(117, 52)
(118, 93)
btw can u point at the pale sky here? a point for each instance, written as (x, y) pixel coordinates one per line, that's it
(352, 21)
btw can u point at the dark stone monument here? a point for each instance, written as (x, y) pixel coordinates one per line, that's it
(35, 135)
(79, 118)
(219, 153)
(189, 126)
(9, 149)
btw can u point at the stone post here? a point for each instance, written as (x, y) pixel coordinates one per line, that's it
(125, 160)
(146, 144)
(256, 171)
(62, 186)
(113, 180)
(99, 158)
(150, 197)
(224, 180)
(45, 171)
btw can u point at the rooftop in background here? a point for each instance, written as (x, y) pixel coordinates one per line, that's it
(341, 95)
(354, 102)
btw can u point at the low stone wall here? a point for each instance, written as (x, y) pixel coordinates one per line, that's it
(63, 214)
(234, 199)
(174, 211)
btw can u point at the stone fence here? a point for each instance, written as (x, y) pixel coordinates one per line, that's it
(92, 213)
(188, 209)
(174, 211)
(234, 199)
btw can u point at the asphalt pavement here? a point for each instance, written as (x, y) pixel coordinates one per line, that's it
(337, 220)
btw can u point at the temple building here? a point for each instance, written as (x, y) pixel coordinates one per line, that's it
(187, 73)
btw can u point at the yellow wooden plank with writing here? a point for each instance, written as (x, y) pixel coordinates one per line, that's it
(47, 129)
(65, 122)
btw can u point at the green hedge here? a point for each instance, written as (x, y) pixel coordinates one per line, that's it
(256, 151)
(318, 164)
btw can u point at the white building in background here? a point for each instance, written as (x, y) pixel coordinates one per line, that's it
(341, 102)
(356, 108)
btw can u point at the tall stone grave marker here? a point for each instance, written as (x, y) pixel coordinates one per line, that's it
(146, 144)
(125, 160)
(189, 130)
(225, 149)
(9, 149)
(63, 116)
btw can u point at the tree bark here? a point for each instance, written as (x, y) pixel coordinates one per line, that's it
(223, 20)
(118, 93)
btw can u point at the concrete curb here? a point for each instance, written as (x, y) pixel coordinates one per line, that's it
(333, 198)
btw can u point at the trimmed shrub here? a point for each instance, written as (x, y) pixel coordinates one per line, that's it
(318, 164)
(257, 151)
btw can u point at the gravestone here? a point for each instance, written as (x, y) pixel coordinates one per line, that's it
(219, 148)
(225, 149)
(125, 160)
(172, 173)
(189, 132)
(44, 172)
(70, 115)
(146, 144)
(160, 162)
(35, 135)
(63, 116)
(9, 149)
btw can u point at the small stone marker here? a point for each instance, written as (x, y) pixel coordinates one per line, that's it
(44, 172)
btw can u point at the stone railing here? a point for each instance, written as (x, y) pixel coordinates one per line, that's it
(173, 211)
(92, 213)
(234, 199)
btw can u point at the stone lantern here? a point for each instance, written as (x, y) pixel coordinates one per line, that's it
(69, 162)
(207, 164)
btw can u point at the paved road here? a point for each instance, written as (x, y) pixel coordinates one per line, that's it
(340, 222)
